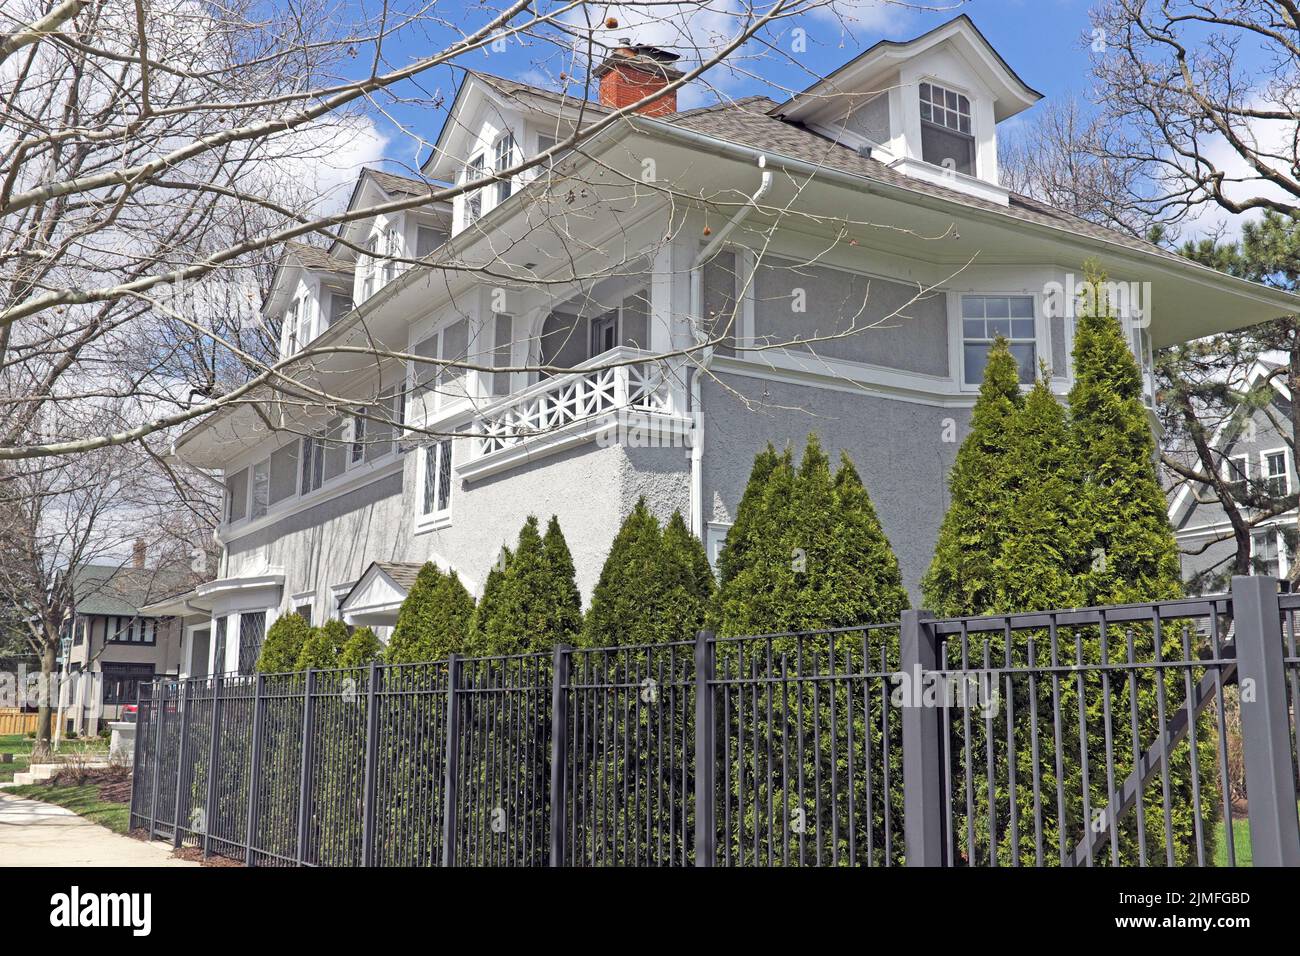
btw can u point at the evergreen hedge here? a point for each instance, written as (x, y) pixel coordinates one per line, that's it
(283, 643)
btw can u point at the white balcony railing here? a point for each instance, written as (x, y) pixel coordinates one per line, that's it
(583, 400)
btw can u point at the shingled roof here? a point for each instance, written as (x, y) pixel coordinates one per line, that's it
(123, 589)
(749, 123)
(317, 259)
(396, 185)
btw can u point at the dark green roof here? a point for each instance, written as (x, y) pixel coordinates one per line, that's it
(124, 589)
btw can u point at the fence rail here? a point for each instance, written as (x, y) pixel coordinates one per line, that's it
(1104, 736)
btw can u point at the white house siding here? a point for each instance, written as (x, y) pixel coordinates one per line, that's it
(590, 488)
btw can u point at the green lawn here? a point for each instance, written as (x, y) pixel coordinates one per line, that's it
(20, 746)
(1240, 843)
(83, 801)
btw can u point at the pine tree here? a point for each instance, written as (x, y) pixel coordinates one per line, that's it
(863, 583)
(433, 620)
(282, 645)
(962, 578)
(323, 648)
(627, 604)
(361, 649)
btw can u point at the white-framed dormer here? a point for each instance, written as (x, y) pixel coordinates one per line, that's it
(878, 104)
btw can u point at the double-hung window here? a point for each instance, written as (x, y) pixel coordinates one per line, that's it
(313, 464)
(474, 198)
(504, 158)
(369, 268)
(946, 137)
(983, 319)
(356, 429)
(393, 249)
(1266, 553)
(291, 324)
(436, 492)
(1276, 474)
(1236, 472)
(237, 496)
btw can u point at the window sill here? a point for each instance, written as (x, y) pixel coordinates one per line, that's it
(434, 522)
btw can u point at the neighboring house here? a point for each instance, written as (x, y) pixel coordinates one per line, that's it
(113, 640)
(860, 226)
(1255, 452)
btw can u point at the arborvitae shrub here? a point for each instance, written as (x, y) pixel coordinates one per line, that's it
(361, 649)
(324, 647)
(535, 604)
(283, 643)
(433, 620)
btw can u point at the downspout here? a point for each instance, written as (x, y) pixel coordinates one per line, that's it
(706, 356)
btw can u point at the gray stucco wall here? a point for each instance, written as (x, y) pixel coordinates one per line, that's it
(899, 449)
(903, 334)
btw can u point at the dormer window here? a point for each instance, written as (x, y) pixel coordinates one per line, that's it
(369, 266)
(291, 323)
(946, 137)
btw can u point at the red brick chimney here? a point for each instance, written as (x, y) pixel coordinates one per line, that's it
(632, 72)
(137, 553)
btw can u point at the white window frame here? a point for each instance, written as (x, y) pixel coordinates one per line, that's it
(436, 517)
(392, 249)
(1225, 471)
(960, 338)
(973, 133)
(1264, 475)
(355, 438)
(292, 318)
(507, 185)
(369, 269)
(1283, 565)
(472, 201)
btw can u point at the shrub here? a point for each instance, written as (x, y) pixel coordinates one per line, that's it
(433, 620)
(534, 604)
(362, 649)
(323, 648)
(284, 642)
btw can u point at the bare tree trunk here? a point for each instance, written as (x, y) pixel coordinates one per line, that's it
(44, 708)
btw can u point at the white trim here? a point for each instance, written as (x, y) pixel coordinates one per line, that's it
(436, 519)
(1042, 332)
(1264, 476)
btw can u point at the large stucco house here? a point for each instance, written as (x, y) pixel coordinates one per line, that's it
(847, 255)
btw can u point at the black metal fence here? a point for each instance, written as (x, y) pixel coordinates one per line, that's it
(1104, 736)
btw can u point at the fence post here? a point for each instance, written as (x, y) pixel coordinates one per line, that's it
(136, 750)
(450, 769)
(254, 769)
(158, 713)
(372, 756)
(304, 774)
(180, 760)
(1265, 723)
(559, 749)
(214, 763)
(706, 833)
(922, 756)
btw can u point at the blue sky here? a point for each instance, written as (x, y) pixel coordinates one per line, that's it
(1044, 40)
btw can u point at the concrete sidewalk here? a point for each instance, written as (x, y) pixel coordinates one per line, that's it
(40, 834)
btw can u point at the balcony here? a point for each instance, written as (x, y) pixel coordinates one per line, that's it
(593, 402)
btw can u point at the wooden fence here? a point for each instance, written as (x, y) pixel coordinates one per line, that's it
(15, 721)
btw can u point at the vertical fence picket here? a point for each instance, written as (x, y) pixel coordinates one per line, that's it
(254, 766)
(214, 763)
(304, 771)
(706, 832)
(451, 763)
(368, 777)
(559, 750)
(157, 713)
(181, 749)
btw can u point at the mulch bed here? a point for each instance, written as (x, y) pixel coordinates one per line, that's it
(114, 782)
(195, 855)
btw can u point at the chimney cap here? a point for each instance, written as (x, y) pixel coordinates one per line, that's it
(651, 58)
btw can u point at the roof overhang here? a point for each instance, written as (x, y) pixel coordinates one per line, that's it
(188, 604)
